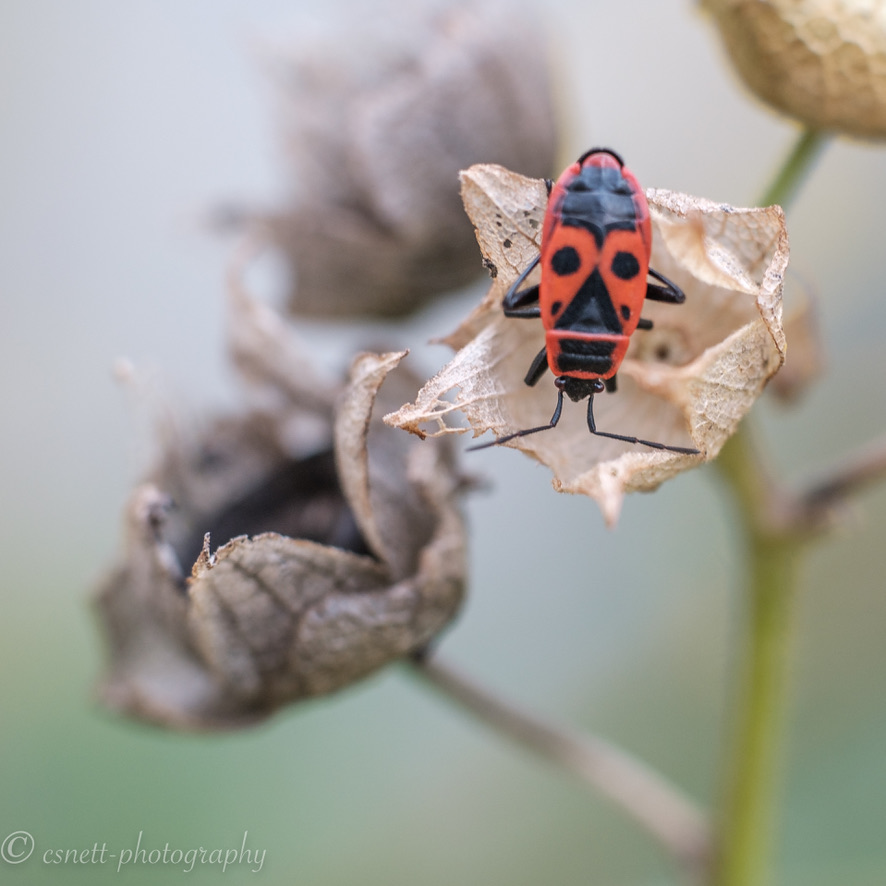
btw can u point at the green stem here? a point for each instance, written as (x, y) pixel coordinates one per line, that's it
(794, 169)
(751, 784)
(752, 794)
(748, 817)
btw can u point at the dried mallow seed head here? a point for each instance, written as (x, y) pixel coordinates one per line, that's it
(377, 122)
(820, 61)
(686, 382)
(312, 567)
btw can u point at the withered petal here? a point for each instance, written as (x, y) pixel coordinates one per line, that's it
(248, 606)
(269, 619)
(687, 382)
(368, 372)
(154, 672)
(377, 126)
(266, 350)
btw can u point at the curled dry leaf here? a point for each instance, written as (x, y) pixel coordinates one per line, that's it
(377, 123)
(687, 382)
(332, 560)
(820, 61)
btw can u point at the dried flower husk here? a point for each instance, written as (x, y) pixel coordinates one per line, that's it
(822, 62)
(377, 124)
(353, 553)
(687, 382)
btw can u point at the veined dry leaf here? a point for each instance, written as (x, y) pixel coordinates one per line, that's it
(338, 552)
(820, 61)
(687, 382)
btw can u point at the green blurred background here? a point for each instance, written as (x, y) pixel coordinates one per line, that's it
(121, 123)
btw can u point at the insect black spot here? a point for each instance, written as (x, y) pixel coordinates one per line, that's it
(625, 312)
(555, 307)
(507, 243)
(565, 260)
(625, 266)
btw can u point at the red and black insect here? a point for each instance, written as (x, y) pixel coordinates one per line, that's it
(595, 249)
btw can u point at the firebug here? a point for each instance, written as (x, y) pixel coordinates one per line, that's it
(595, 249)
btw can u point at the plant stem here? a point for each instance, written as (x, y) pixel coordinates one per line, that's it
(748, 813)
(793, 170)
(643, 794)
(855, 472)
(747, 816)
(752, 786)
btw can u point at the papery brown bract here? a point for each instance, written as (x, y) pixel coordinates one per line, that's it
(377, 123)
(317, 558)
(688, 381)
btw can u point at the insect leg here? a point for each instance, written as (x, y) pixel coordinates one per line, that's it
(611, 384)
(592, 427)
(522, 310)
(517, 302)
(643, 323)
(667, 291)
(537, 367)
(553, 423)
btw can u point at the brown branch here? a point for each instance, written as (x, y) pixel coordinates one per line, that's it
(779, 512)
(643, 794)
(853, 473)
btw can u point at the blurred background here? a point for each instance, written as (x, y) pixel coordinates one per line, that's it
(122, 125)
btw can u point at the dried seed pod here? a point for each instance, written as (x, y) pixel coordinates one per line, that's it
(333, 561)
(820, 61)
(688, 381)
(378, 122)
